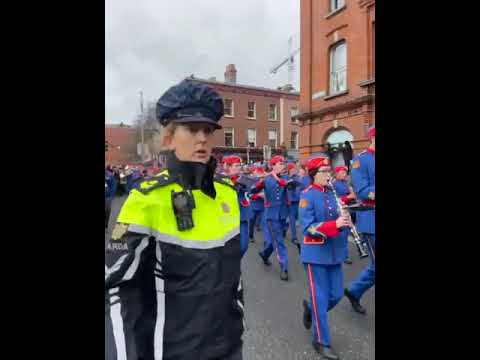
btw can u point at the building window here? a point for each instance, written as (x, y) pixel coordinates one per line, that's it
(228, 107)
(336, 4)
(252, 138)
(294, 140)
(229, 137)
(338, 68)
(294, 111)
(251, 110)
(272, 112)
(272, 138)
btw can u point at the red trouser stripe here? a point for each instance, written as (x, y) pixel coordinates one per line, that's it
(314, 302)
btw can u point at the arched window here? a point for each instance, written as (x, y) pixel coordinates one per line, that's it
(339, 151)
(338, 68)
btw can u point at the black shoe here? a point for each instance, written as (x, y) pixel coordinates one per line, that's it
(348, 261)
(284, 275)
(252, 240)
(266, 262)
(355, 303)
(284, 233)
(326, 351)
(258, 229)
(307, 315)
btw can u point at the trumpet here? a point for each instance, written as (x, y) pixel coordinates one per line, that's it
(353, 230)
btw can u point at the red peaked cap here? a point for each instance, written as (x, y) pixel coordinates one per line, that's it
(340, 168)
(371, 132)
(259, 169)
(291, 166)
(232, 159)
(276, 159)
(317, 162)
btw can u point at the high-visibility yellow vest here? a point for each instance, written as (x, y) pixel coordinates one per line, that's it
(216, 221)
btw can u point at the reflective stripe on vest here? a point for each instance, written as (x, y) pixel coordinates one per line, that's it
(216, 221)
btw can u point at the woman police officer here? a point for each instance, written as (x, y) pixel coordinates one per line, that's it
(172, 266)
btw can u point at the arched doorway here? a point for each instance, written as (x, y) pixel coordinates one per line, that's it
(338, 150)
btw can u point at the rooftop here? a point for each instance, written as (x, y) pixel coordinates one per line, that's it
(258, 88)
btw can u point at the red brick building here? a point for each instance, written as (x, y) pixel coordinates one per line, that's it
(337, 97)
(122, 148)
(254, 117)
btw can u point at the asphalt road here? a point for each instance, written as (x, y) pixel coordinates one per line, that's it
(274, 309)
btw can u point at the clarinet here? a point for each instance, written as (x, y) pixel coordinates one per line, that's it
(356, 238)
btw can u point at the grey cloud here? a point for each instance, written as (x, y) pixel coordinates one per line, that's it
(152, 44)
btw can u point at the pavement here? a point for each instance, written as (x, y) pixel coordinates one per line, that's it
(274, 308)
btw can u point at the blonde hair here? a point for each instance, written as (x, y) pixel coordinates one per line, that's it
(167, 132)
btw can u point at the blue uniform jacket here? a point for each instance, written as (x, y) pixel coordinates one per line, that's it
(111, 184)
(245, 208)
(257, 205)
(341, 187)
(276, 206)
(293, 194)
(363, 178)
(323, 243)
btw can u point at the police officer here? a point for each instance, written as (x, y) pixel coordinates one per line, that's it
(172, 272)
(276, 213)
(233, 168)
(257, 205)
(323, 250)
(345, 192)
(363, 177)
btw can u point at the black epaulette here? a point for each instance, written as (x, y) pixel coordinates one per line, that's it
(156, 181)
(222, 179)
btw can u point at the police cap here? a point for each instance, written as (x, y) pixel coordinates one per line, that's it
(189, 102)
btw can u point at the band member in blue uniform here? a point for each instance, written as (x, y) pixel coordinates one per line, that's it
(257, 205)
(276, 213)
(293, 196)
(323, 249)
(233, 168)
(363, 177)
(344, 191)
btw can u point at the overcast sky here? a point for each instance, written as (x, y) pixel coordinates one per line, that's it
(151, 45)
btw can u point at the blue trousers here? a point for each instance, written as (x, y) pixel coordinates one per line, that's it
(292, 219)
(256, 219)
(273, 240)
(325, 284)
(366, 279)
(243, 236)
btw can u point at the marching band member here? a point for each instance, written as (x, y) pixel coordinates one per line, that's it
(293, 195)
(233, 168)
(363, 176)
(323, 250)
(257, 205)
(276, 213)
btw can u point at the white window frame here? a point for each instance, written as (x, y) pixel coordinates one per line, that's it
(276, 137)
(336, 4)
(255, 138)
(232, 108)
(254, 110)
(334, 73)
(233, 136)
(276, 112)
(296, 140)
(293, 113)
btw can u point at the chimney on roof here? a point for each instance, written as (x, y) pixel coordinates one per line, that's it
(231, 74)
(287, 88)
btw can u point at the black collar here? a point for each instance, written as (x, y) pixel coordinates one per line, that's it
(193, 175)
